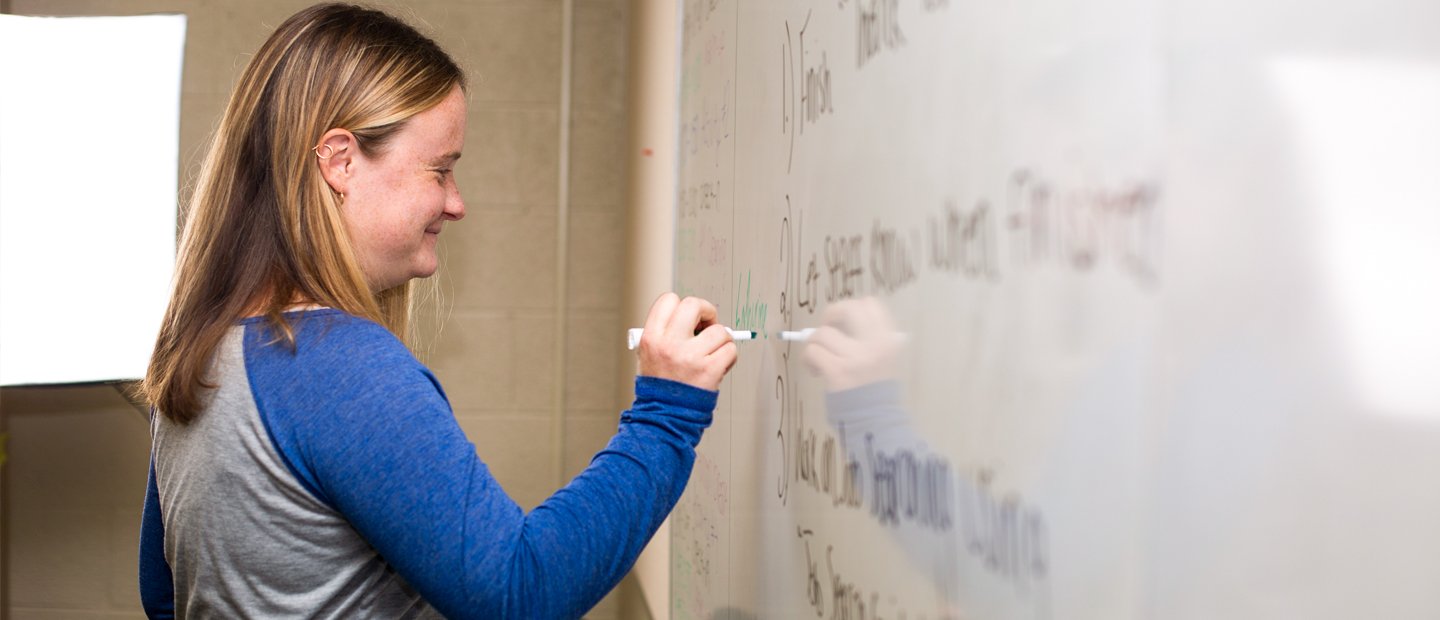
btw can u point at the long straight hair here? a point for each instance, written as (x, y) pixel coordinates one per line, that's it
(263, 230)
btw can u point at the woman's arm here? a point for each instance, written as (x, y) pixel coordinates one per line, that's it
(393, 461)
(157, 589)
(367, 430)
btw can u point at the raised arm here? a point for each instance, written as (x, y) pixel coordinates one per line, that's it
(383, 448)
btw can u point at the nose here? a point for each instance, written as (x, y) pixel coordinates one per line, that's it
(454, 205)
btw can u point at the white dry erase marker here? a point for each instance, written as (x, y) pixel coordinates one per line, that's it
(797, 336)
(737, 334)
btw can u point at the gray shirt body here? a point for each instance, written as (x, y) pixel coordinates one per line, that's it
(243, 537)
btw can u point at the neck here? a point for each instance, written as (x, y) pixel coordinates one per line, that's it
(263, 303)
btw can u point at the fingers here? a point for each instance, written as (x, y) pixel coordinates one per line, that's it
(660, 312)
(708, 315)
(725, 356)
(683, 341)
(719, 350)
(712, 338)
(691, 316)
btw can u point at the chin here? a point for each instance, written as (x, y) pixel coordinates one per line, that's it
(426, 271)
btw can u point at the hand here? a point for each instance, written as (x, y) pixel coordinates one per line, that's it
(856, 344)
(683, 342)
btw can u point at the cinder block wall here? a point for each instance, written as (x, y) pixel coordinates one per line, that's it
(526, 327)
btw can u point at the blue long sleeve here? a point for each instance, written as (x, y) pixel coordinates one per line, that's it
(367, 430)
(157, 588)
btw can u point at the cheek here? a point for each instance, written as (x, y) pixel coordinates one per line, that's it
(373, 226)
(438, 195)
(353, 215)
(393, 217)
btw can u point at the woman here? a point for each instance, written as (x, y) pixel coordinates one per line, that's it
(303, 462)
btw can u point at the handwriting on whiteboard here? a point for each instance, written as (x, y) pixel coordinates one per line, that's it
(805, 85)
(1044, 224)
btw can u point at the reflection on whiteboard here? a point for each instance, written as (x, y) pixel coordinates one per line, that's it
(89, 143)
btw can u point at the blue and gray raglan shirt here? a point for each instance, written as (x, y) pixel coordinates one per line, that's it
(332, 480)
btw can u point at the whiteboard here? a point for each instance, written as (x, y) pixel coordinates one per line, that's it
(1140, 305)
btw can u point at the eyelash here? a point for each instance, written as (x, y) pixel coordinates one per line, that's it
(443, 172)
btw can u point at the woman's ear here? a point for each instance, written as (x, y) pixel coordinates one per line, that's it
(336, 156)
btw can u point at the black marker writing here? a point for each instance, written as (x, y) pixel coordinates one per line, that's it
(877, 29)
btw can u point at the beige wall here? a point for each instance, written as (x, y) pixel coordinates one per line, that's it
(75, 480)
(651, 197)
(528, 329)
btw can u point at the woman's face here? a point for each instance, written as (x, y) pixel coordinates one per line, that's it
(398, 201)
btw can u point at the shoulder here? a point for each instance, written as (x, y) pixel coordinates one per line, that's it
(337, 352)
(348, 392)
(324, 334)
(332, 332)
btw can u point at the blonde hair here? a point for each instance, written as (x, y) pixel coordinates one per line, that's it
(263, 230)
